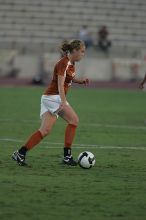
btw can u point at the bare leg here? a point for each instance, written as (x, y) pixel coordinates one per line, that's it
(69, 115)
(48, 120)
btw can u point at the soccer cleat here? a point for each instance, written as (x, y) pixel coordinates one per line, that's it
(19, 158)
(68, 160)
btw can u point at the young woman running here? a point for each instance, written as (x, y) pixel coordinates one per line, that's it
(141, 85)
(54, 103)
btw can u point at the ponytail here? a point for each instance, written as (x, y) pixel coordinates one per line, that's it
(69, 46)
(65, 47)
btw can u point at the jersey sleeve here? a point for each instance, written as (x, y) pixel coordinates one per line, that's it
(61, 68)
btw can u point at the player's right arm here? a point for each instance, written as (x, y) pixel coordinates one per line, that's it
(141, 85)
(61, 80)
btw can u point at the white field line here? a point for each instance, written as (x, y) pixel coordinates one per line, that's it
(118, 126)
(84, 124)
(79, 146)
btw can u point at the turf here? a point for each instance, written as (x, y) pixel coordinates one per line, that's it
(111, 126)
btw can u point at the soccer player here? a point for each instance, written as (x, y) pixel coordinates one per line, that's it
(141, 85)
(54, 103)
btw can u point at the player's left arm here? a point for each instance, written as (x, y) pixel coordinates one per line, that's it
(81, 81)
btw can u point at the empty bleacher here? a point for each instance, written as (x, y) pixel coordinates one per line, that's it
(41, 24)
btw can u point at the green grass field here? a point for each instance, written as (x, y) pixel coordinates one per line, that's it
(111, 126)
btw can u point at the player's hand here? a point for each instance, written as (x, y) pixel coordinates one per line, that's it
(63, 105)
(85, 82)
(141, 85)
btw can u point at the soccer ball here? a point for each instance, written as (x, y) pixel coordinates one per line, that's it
(86, 160)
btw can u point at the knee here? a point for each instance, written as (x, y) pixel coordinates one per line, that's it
(45, 131)
(74, 121)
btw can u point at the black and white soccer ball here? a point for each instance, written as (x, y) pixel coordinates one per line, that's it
(86, 160)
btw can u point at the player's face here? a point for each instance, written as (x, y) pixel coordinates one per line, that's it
(78, 54)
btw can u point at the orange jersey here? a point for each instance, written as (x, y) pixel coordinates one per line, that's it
(63, 68)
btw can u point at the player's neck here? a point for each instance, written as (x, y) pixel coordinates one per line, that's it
(70, 59)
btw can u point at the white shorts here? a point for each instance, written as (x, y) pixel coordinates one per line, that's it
(50, 103)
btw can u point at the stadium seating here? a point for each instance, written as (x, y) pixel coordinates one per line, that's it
(41, 24)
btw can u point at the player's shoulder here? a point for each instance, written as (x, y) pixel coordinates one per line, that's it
(63, 60)
(62, 63)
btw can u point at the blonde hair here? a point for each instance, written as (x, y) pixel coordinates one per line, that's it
(69, 46)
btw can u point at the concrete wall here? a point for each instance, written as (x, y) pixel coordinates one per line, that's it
(88, 67)
(93, 68)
